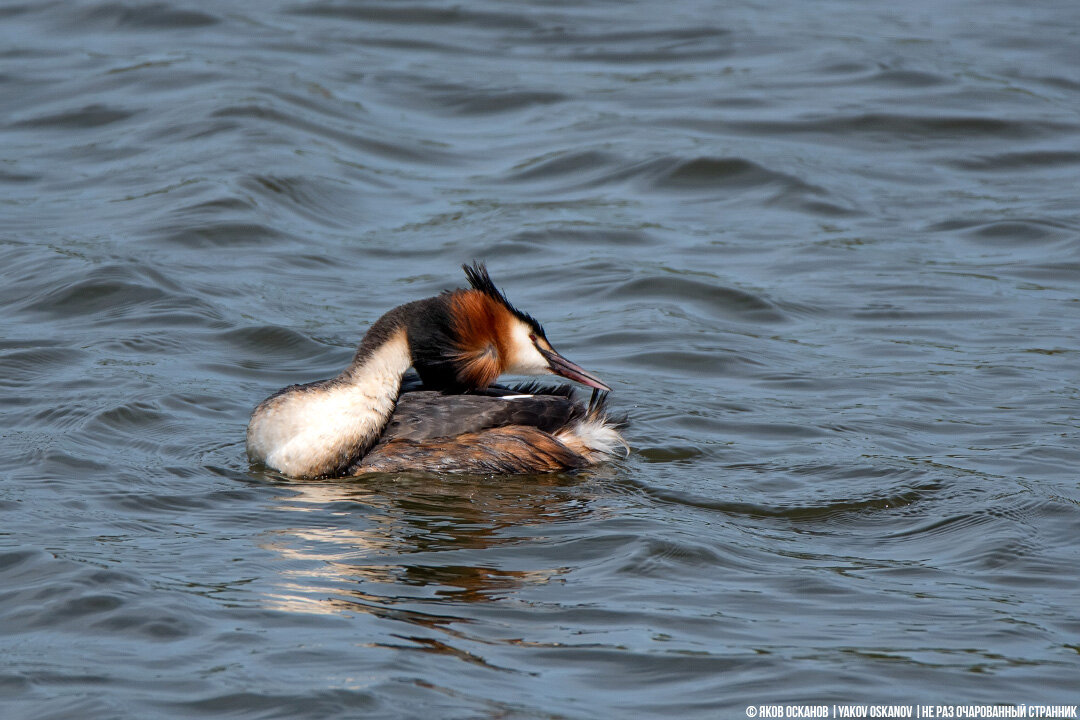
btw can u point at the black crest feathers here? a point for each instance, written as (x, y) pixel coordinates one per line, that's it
(480, 280)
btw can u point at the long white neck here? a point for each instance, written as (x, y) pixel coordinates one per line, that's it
(319, 429)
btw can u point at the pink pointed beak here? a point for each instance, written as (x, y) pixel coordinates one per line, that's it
(561, 366)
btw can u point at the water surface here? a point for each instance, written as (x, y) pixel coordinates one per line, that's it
(827, 254)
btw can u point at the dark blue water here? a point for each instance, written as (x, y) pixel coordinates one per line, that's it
(827, 254)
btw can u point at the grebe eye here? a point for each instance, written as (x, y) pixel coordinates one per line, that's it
(532, 337)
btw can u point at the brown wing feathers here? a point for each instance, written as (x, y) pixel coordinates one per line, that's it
(483, 433)
(428, 415)
(514, 449)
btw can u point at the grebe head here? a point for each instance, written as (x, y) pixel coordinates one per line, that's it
(468, 338)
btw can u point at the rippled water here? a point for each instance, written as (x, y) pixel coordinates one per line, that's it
(828, 254)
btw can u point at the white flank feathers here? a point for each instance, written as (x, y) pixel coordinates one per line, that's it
(304, 432)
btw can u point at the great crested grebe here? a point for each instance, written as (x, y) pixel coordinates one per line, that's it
(365, 419)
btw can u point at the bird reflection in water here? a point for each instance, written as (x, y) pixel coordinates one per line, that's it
(398, 540)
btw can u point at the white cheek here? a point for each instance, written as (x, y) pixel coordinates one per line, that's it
(527, 360)
(530, 362)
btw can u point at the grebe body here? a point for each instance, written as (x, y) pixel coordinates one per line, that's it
(450, 418)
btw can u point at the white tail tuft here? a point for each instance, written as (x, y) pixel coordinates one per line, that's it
(594, 437)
